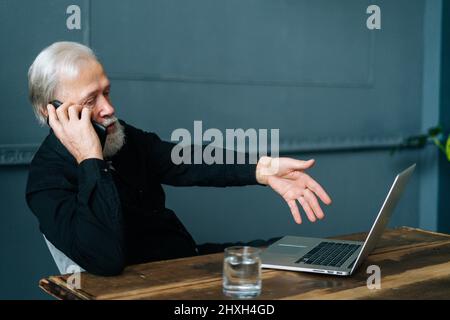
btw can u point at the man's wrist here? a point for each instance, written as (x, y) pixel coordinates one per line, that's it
(262, 167)
(90, 156)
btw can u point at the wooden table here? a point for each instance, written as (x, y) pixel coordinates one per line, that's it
(415, 264)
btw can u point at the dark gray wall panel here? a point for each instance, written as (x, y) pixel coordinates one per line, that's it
(237, 41)
(24, 256)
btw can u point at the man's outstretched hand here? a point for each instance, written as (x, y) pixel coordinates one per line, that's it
(287, 177)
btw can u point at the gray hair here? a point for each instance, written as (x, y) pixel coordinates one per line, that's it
(43, 76)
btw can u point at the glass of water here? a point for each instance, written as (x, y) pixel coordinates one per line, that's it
(242, 272)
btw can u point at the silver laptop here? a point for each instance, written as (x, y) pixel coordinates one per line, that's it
(337, 257)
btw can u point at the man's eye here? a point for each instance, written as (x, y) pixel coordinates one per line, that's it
(90, 102)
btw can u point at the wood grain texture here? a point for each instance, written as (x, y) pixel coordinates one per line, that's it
(415, 264)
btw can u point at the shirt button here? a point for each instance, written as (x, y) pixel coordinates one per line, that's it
(105, 170)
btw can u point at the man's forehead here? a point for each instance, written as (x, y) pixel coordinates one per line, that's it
(94, 85)
(90, 76)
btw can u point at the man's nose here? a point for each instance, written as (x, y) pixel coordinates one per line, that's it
(106, 109)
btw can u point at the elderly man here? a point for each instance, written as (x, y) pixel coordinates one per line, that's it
(105, 207)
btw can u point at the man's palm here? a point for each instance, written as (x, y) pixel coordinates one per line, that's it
(287, 177)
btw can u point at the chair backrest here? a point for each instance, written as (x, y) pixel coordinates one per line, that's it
(64, 263)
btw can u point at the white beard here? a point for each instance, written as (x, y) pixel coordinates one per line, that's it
(114, 140)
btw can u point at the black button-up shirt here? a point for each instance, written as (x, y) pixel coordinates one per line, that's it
(105, 214)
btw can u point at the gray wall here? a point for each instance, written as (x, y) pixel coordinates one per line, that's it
(337, 91)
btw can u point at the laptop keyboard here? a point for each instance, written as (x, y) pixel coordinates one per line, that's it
(329, 254)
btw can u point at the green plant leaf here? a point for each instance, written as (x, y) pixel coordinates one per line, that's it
(447, 148)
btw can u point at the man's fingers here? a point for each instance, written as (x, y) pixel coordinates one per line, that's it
(307, 208)
(62, 113)
(300, 164)
(52, 117)
(318, 190)
(85, 114)
(294, 210)
(74, 112)
(314, 204)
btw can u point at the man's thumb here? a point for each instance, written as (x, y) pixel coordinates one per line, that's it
(301, 165)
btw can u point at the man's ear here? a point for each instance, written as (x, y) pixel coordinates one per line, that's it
(44, 112)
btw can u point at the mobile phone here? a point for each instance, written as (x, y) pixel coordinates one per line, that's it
(101, 130)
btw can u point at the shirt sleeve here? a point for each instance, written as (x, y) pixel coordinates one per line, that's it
(83, 221)
(190, 174)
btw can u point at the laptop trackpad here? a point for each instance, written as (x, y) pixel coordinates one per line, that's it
(287, 249)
